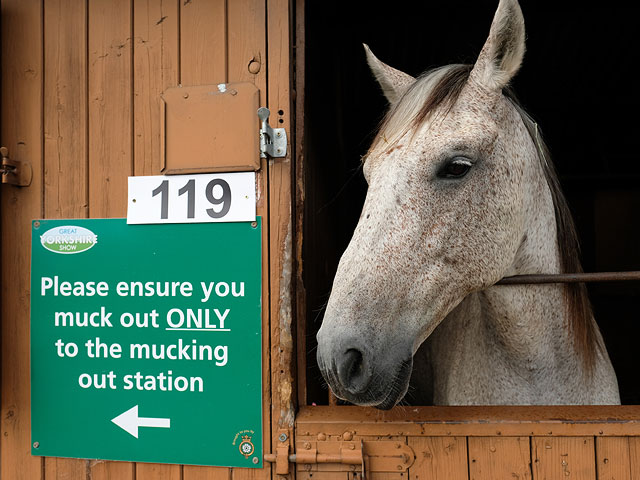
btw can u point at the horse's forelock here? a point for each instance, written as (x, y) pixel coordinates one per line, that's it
(433, 89)
(437, 91)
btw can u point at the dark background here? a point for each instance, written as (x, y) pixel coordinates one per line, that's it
(578, 81)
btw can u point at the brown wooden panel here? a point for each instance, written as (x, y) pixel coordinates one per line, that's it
(110, 135)
(634, 457)
(246, 41)
(203, 42)
(110, 106)
(206, 473)
(155, 471)
(439, 458)
(497, 457)
(21, 133)
(613, 458)
(563, 457)
(280, 223)
(303, 475)
(65, 469)
(474, 421)
(210, 128)
(155, 66)
(65, 109)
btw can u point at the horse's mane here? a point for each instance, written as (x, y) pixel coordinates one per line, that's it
(440, 89)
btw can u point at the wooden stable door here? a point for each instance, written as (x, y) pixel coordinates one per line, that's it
(81, 84)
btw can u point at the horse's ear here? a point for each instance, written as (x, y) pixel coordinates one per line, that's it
(393, 82)
(503, 51)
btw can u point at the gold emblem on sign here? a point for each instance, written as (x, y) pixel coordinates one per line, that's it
(246, 447)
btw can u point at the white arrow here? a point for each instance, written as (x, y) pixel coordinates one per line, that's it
(129, 421)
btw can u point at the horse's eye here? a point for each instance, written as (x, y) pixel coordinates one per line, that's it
(457, 167)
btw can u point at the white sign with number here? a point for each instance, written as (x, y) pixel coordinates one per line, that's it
(216, 197)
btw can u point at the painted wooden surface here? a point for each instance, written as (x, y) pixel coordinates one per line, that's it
(81, 86)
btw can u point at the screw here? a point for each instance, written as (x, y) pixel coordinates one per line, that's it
(36, 224)
(278, 134)
(186, 95)
(254, 225)
(36, 444)
(283, 436)
(255, 460)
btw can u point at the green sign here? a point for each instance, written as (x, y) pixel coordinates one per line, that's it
(146, 342)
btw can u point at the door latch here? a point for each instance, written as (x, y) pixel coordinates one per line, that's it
(273, 141)
(15, 172)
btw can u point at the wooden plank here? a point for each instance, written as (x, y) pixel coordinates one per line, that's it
(474, 421)
(281, 222)
(192, 472)
(613, 458)
(563, 457)
(203, 42)
(246, 52)
(65, 109)
(439, 458)
(110, 106)
(634, 457)
(497, 457)
(156, 67)
(65, 140)
(65, 469)
(156, 471)
(110, 135)
(21, 132)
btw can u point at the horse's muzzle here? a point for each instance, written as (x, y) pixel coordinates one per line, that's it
(358, 375)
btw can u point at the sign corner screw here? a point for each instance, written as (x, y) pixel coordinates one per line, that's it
(254, 225)
(36, 444)
(36, 224)
(255, 460)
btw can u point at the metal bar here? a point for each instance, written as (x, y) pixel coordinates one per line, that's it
(571, 278)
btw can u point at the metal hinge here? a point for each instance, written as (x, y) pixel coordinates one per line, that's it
(273, 141)
(335, 456)
(15, 172)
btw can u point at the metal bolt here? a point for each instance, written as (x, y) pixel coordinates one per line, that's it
(36, 444)
(279, 150)
(255, 460)
(278, 134)
(283, 436)
(36, 224)
(254, 225)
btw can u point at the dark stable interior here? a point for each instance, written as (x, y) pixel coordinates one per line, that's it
(578, 81)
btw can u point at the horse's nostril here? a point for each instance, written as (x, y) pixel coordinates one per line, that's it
(352, 371)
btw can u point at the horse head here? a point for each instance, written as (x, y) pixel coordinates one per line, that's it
(454, 184)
